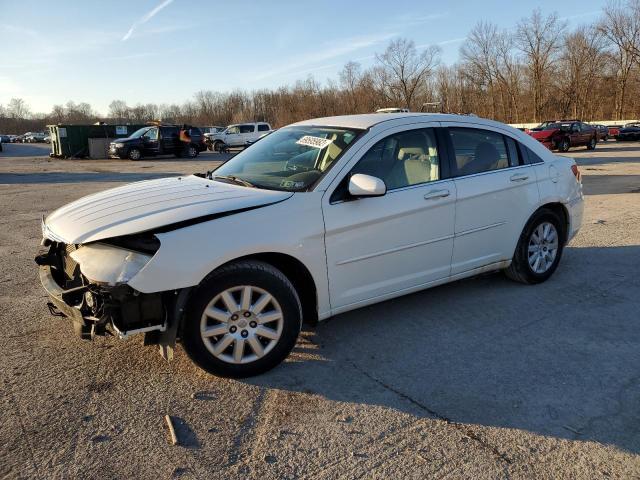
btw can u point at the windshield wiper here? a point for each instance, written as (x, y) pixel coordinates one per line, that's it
(233, 179)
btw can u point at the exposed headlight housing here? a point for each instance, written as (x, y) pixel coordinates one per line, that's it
(109, 265)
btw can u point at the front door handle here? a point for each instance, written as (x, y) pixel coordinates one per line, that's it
(433, 194)
(518, 177)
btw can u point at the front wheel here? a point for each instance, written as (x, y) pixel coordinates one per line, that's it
(539, 249)
(243, 320)
(592, 144)
(134, 154)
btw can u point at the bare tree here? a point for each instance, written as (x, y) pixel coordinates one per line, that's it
(539, 38)
(350, 77)
(18, 109)
(119, 110)
(581, 61)
(621, 26)
(480, 55)
(404, 71)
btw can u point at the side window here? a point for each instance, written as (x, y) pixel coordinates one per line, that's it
(515, 157)
(247, 128)
(263, 127)
(530, 155)
(477, 150)
(403, 159)
(167, 132)
(233, 130)
(152, 133)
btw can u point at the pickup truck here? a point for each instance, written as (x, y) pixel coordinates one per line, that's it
(237, 136)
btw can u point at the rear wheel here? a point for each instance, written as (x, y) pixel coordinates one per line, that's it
(134, 154)
(539, 249)
(191, 151)
(243, 320)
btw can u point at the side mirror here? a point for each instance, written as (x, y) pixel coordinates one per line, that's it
(361, 185)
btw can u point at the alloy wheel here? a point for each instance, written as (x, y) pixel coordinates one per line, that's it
(241, 324)
(543, 247)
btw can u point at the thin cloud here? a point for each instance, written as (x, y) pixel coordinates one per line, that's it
(408, 19)
(339, 49)
(581, 15)
(145, 18)
(453, 40)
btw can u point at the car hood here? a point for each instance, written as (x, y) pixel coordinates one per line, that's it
(543, 133)
(149, 205)
(125, 140)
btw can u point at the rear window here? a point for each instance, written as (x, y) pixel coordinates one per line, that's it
(478, 150)
(263, 127)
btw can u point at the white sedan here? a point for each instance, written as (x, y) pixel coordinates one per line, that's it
(318, 218)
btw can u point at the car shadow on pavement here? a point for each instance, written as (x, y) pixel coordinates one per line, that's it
(560, 359)
(609, 184)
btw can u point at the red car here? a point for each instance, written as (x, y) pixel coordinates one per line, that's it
(614, 130)
(564, 134)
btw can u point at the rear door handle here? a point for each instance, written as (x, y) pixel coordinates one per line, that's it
(433, 194)
(518, 177)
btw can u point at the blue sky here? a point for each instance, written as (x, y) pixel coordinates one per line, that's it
(163, 51)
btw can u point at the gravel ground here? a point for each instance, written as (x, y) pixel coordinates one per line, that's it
(482, 378)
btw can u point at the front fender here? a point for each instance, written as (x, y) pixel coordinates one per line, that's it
(187, 255)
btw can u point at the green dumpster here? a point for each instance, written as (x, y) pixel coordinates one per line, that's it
(72, 141)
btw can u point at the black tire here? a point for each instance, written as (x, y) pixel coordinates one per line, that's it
(564, 145)
(217, 146)
(520, 270)
(592, 144)
(249, 272)
(134, 154)
(190, 151)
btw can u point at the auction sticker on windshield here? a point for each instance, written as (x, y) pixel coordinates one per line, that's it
(315, 142)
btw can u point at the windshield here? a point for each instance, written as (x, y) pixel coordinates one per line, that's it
(139, 133)
(290, 159)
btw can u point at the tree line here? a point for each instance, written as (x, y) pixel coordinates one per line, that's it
(538, 70)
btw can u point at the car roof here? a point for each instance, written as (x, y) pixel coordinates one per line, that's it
(368, 120)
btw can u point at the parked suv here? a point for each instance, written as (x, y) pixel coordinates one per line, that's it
(34, 137)
(239, 135)
(230, 262)
(564, 134)
(159, 140)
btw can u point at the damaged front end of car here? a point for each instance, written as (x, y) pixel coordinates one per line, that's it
(88, 284)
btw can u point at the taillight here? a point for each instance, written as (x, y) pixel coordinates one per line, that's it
(576, 171)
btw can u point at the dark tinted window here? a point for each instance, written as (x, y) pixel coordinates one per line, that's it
(515, 158)
(478, 150)
(263, 127)
(530, 155)
(403, 159)
(168, 132)
(195, 131)
(247, 128)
